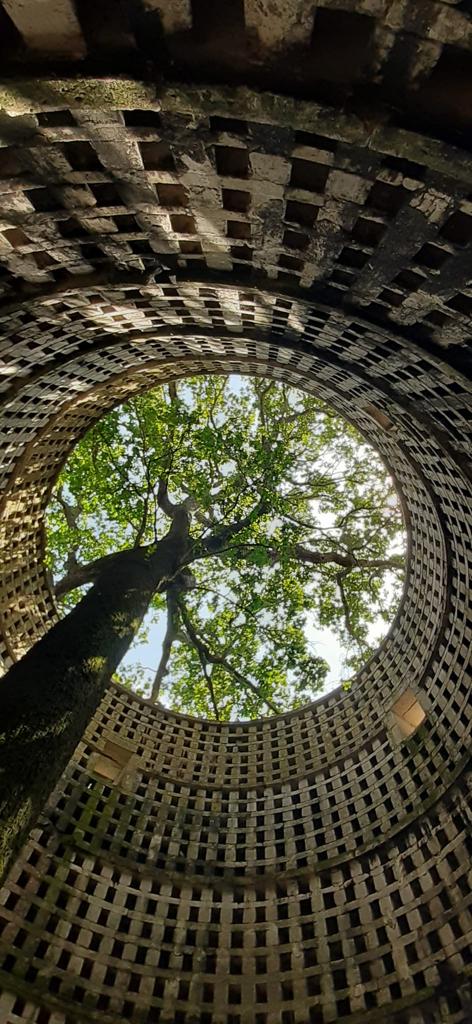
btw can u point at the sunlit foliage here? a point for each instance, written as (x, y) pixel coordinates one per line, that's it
(295, 525)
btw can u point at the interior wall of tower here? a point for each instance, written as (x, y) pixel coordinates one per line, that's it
(279, 190)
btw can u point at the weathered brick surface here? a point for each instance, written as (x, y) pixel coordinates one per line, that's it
(315, 867)
(329, 798)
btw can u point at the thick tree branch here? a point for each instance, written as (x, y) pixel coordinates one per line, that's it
(347, 560)
(191, 637)
(71, 515)
(147, 472)
(217, 659)
(261, 393)
(143, 524)
(167, 643)
(71, 512)
(209, 682)
(163, 500)
(49, 696)
(79, 575)
(172, 508)
(346, 609)
(302, 554)
(217, 540)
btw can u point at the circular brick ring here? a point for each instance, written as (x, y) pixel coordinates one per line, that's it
(321, 856)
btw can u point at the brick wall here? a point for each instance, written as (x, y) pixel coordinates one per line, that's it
(315, 867)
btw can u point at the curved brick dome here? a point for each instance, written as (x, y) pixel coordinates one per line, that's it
(313, 867)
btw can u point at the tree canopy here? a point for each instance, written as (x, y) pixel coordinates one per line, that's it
(294, 525)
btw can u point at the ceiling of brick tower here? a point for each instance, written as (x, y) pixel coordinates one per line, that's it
(355, 191)
(275, 187)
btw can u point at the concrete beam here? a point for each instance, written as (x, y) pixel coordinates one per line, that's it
(30, 95)
(48, 26)
(292, 26)
(175, 16)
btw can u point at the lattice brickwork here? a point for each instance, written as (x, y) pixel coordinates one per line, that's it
(289, 797)
(355, 224)
(306, 869)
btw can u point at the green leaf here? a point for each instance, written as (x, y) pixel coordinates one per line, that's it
(228, 443)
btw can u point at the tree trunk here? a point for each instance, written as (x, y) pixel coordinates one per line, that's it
(48, 698)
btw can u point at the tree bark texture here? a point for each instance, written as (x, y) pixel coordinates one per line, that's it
(48, 698)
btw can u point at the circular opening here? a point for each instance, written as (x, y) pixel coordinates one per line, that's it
(294, 556)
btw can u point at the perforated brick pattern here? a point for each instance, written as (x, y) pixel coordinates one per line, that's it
(320, 790)
(306, 869)
(411, 60)
(356, 223)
